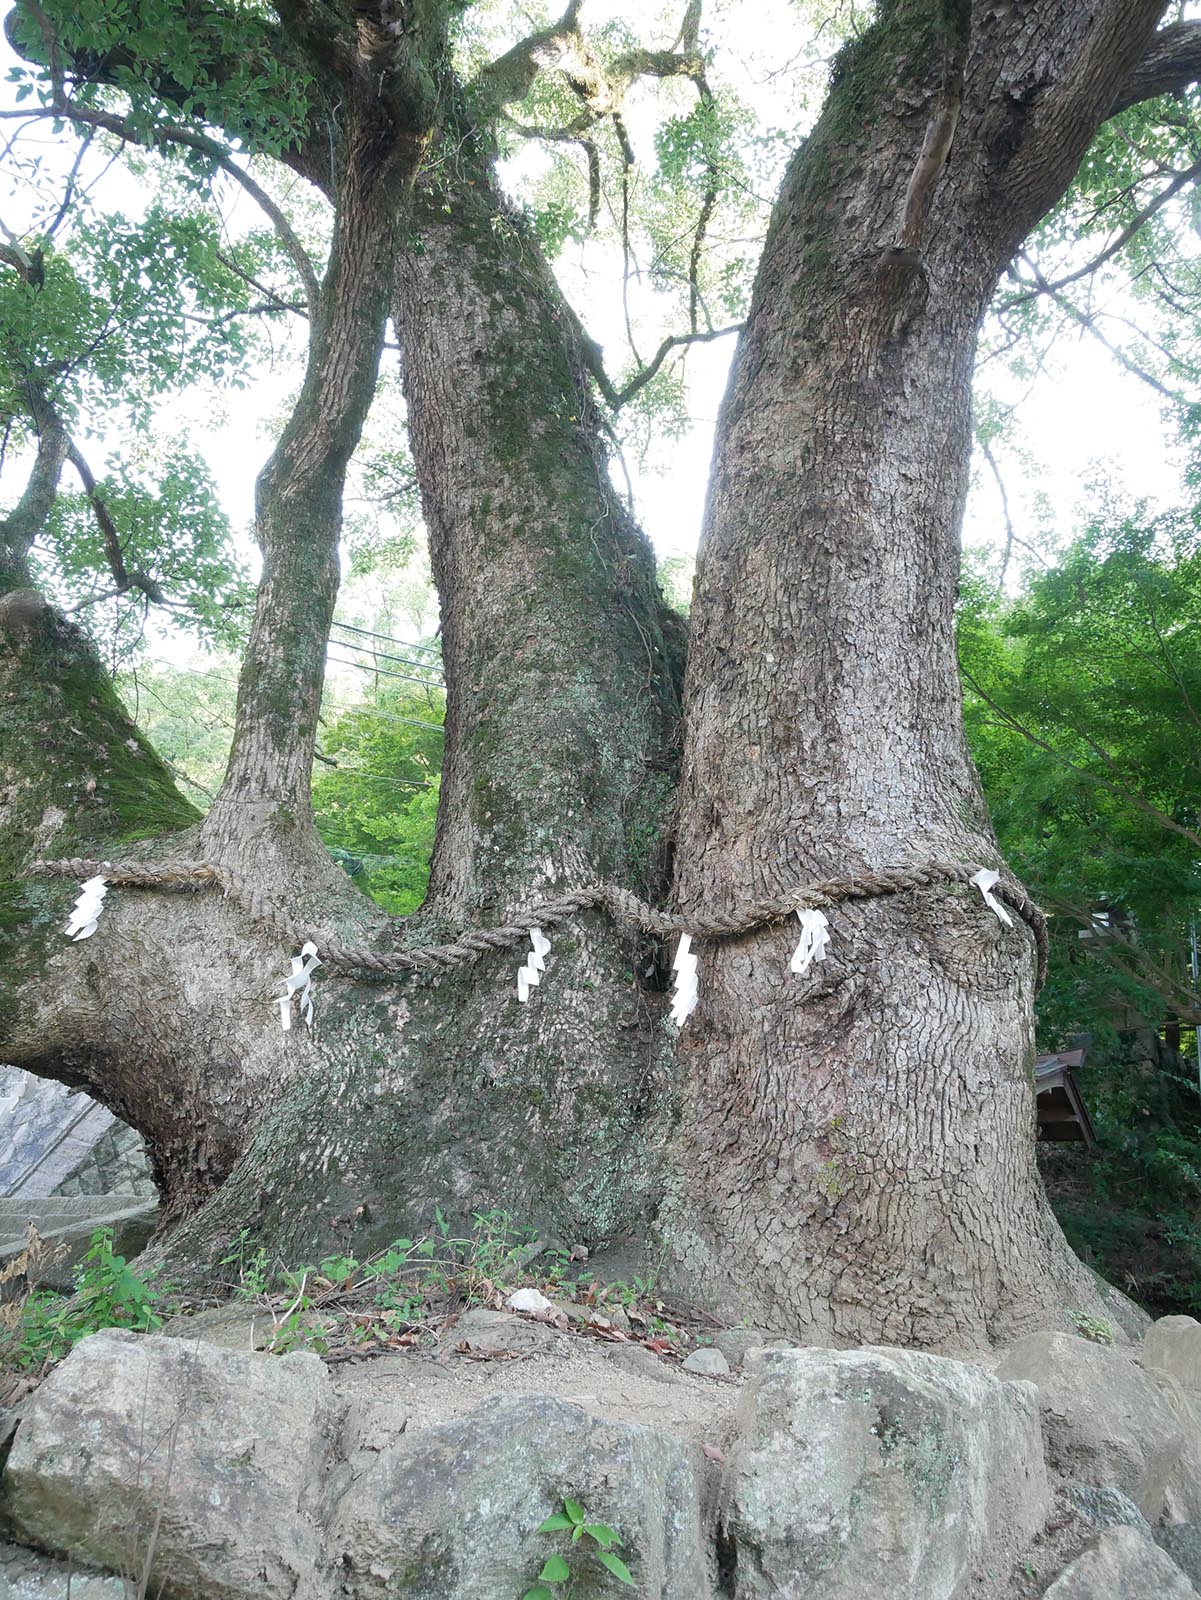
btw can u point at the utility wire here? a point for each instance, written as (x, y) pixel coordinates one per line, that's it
(429, 649)
(382, 655)
(385, 672)
(388, 716)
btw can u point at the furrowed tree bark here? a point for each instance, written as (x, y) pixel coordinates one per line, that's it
(410, 1096)
(859, 1143)
(855, 1160)
(562, 668)
(262, 817)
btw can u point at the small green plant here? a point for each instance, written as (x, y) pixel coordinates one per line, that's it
(558, 1580)
(1094, 1328)
(109, 1293)
(253, 1267)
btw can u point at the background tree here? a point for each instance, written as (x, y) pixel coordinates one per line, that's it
(1081, 699)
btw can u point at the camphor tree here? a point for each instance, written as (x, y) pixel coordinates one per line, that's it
(847, 1154)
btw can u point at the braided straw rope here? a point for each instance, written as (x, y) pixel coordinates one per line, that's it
(620, 904)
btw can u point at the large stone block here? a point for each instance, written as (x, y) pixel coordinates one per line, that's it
(452, 1512)
(1173, 1345)
(1122, 1564)
(210, 1457)
(863, 1472)
(1182, 1541)
(25, 1575)
(1105, 1420)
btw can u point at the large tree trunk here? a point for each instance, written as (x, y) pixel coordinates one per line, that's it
(862, 1138)
(856, 1155)
(562, 669)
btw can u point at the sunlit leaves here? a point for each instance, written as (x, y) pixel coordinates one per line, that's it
(376, 808)
(1119, 259)
(174, 535)
(195, 63)
(1082, 703)
(129, 311)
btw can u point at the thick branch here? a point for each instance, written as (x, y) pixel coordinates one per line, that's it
(511, 77)
(299, 493)
(1068, 114)
(1171, 62)
(28, 517)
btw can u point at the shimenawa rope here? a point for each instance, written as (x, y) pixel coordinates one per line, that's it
(620, 904)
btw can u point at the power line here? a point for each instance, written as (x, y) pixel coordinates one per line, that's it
(388, 716)
(365, 772)
(382, 655)
(386, 672)
(430, 649)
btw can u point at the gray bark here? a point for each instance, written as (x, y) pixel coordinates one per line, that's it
(860, 1142)
(411, 1096)
(856, 1159)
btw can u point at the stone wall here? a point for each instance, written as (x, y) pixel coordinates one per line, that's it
(56, 1142)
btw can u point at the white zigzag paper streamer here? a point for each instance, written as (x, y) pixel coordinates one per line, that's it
(815, 936)
(300, 982)
(985, 880)
(535, 964)
(86, 911)
(683, 1001)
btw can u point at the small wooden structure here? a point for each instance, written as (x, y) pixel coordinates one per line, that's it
(1062, 1114)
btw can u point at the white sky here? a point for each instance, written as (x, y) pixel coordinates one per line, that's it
(1081, 420)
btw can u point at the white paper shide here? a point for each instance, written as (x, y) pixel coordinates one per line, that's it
(683, 1000)
(815, 936)
(86, 911)
(299, 983)
(535, 964)
(986, 881)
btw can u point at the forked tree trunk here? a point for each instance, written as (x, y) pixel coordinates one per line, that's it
(856, 1158)
(562, 670)
(859, 1143)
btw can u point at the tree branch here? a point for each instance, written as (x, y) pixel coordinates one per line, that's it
(122, 128)
(511, 77)
(113, 553)
(28, 517)
(623, 396)
(26, 264)
(1067, 114)
(1172, 61)
(1180, 181)
(1088, 321)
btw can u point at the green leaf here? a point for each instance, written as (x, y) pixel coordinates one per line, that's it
(556, 1523)
(616, 1566)
(602, 1533)
(538, 1592)
(556, 1570)
(574, 1510)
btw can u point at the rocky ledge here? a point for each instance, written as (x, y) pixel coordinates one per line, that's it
(162, 1466)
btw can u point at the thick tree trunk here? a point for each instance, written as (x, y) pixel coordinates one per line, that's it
(562, 661)
(856, 1157)
(860, 1141)
(562, 673)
